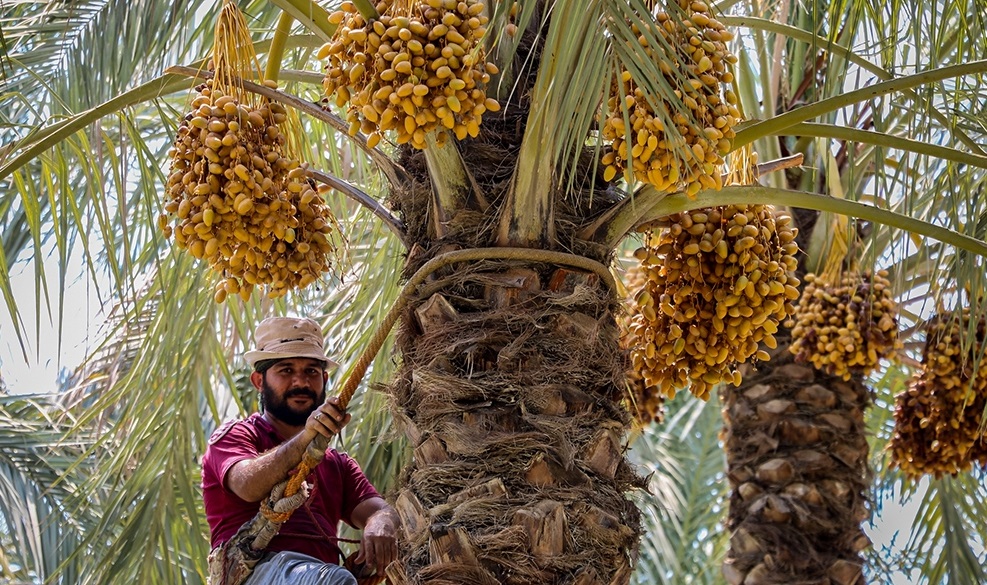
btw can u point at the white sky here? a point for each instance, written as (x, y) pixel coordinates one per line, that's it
(82, 318)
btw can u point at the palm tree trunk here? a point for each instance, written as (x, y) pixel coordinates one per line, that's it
(509, 391)
(511, 372)
(797, 461)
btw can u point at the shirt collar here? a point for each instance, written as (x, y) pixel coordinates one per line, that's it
(261, 423)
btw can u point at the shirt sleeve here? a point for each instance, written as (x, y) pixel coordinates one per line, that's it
(356, 486)
(227, 447)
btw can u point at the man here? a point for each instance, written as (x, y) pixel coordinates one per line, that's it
(246, 458)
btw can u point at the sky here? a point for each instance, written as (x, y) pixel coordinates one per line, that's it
(83, 316)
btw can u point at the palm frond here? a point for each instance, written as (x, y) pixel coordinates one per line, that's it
(944, 187)
(86, 125)
(32, 490)
(587, 46)
(352, 314)
(143, 410)
(683, 515)
(945, 543)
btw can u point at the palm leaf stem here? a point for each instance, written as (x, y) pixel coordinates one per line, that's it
(42, 140)
(819, 130)
(837, 49)
(628, 209)
(393, 223)
(278, 43)
(451, 184)
(367, 10)
(528, 216)
(571, 76)
(779, 123)
(312, 16)
(32, 145)
(302, 76)
(665, 205)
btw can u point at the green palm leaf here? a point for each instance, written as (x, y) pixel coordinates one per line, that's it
(683, 514)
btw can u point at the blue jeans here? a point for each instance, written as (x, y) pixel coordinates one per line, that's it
(291, 568)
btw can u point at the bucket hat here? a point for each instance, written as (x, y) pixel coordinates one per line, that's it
(288, 337)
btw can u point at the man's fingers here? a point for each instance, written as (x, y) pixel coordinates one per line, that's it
(323, 424)
(380, 552)
(332, 412)
(317, 422)
(331, 425)
(368, 552)
(331, 420)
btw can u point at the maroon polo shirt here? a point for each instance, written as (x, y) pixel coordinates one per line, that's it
(337, 486)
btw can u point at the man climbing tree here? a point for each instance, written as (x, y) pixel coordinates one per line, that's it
(247, 458)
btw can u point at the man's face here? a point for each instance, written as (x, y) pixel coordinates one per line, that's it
(292, 389)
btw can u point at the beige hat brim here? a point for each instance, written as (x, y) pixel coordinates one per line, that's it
(285, 352)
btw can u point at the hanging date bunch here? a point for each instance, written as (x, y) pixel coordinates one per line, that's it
(846, 324)
(418, 67)
(666, 147)
(720, 280)
(938, 417)
(646, 403)
(236, 196)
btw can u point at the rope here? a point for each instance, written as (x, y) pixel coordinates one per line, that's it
(282, 507)
(316, 449)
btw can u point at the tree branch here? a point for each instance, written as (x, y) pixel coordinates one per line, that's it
(393, 223)
(779, 164)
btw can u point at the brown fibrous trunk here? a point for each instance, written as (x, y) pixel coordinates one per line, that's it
(518, 474)
(797, 459)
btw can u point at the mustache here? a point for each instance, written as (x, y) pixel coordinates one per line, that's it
(301, 392)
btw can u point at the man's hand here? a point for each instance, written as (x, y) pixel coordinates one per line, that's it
(328, 419)
(379, 545)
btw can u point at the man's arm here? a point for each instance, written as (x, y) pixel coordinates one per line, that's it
(253, 479)
(379, 521)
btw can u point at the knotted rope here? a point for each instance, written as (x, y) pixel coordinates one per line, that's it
(288, 495)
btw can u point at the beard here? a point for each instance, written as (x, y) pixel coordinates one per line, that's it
(284, 412)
